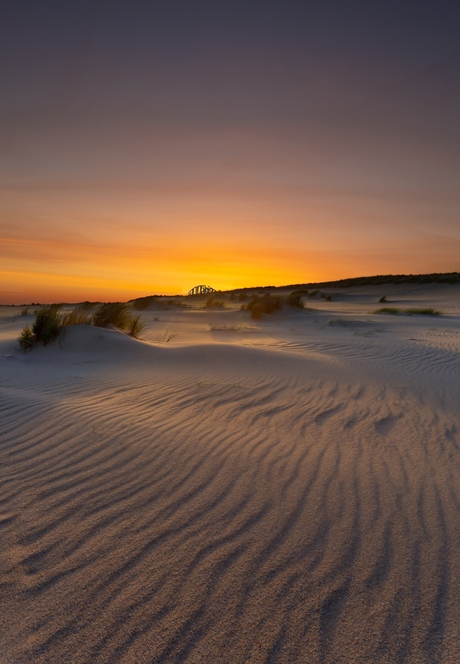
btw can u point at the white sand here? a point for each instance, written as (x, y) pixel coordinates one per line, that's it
(287, 491)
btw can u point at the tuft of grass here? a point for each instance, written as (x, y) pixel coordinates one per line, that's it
(383, 299)
(47, 324)
(135, 326)
(24, 311)
(112, 313)
(392, 311)
(264, 305)
(164, 337)
(26, 339)
(295, 300)
(77, 316)
(212, 302)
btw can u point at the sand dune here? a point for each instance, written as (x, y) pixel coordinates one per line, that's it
(286, 491)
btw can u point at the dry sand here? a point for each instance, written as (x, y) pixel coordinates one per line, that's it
(286, 491)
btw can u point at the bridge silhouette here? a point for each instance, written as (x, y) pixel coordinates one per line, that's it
(201, 290)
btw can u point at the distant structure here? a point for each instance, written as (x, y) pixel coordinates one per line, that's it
(201, 290)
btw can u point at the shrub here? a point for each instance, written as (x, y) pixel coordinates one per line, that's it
(329, 298)
(47, 324)
(313, 294)
(26, 339)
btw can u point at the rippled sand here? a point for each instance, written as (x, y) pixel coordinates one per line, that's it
(284, 491)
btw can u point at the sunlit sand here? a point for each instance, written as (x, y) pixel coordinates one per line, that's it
(231, 490)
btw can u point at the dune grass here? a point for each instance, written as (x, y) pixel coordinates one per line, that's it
(212, 302)
(423, 311)
(135, 326)
(295, 299)
(263, 305)
(49, 321)
(26, 339)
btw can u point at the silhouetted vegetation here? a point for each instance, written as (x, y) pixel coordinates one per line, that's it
(383, 299)
(433, 278)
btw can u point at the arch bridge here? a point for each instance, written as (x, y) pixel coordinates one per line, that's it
(201, 290)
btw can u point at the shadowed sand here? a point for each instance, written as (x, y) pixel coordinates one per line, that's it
(286, 491)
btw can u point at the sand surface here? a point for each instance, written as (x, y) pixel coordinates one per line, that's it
(284, 490)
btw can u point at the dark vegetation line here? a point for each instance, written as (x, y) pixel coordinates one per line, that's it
(435, 277)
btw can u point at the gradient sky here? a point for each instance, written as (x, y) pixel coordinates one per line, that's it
(146, 147)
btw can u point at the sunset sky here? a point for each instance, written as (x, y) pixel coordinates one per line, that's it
(146, 147)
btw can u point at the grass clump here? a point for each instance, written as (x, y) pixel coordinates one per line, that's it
(112, 313)
(383, 299)
(118, 315)
(212, 302)
(424, 311)
(77, 316)
(47, 324)
(135, 326)
(26, 339)
(295, 300)
(263, 305)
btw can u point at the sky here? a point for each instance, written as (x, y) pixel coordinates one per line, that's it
(146, 147)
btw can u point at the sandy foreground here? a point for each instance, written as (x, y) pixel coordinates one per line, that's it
(284, 490)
